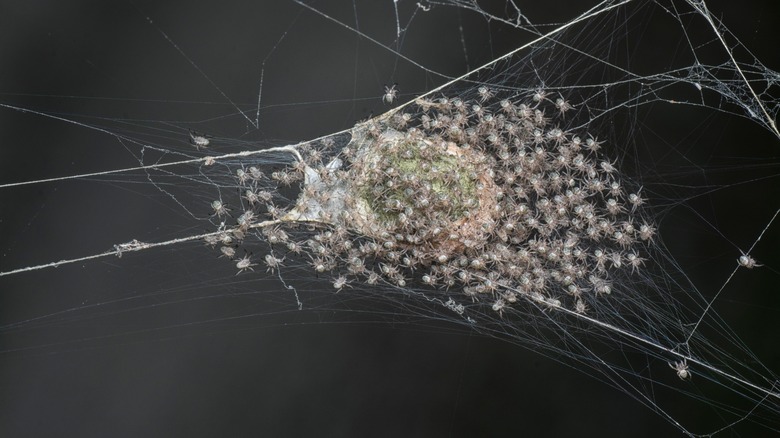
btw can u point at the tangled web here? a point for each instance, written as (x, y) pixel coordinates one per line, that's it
(535, 199)
(486, 196)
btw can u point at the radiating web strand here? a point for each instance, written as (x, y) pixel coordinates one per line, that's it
(260, 94)
(613, 375)
(373, 40)
(746, 416)
(546, 36)
(289, 148)
(61, 119)
(129, 333)
(135, 246)
(767, 392)
(199, 70)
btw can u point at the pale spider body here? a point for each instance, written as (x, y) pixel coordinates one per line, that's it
(294, 247)
(373, 278)
(212, 239)
(484, 93)
(284, 177)
(340, 282)
(390, 94)
(623, 239)
(246, 220)
(228, 251)
(319, 265)
(553, 303)
(199, 140)
(635, 200)
(539, 96)
(264, 195)
(682, 369)
(600, 286)
(256, 173)
(498, 306)
(245, 263)
(607, 167)
(562, 105)
(615, 189)
(273, 263)
(646, 232)
(220, 209)
(748, 262)
(635, 261)
(251, 197)
(601, 258)
(226, 239)
(613, 207)
(430, 280)
(594, 145)
(276, 235)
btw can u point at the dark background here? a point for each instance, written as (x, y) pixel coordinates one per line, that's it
(169, 343)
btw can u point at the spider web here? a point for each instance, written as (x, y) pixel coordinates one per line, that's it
(669, 118)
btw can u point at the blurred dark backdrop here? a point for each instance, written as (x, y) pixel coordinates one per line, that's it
(140, 346)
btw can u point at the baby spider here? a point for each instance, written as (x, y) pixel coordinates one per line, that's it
(539, 95)
(339, 282)
(273, 262)
(683, 372)
(635, 261)
(484, 93)
(646, 232)
(245, 263)
(607, 167)
(748, 262)
(552, 303)
(498, 306)
(246, 220)
(220, 209)
(562, 105)
(593, 144)
(319, 264)
(390, 94)
(635, 200)
(580, 307)
(294, 247)
(199, 140)
(211, 239)
(227, 251)
(284, 177)
(242, 176)
(251, 196)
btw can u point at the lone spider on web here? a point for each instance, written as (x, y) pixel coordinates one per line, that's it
(199, 140)
(681, 367)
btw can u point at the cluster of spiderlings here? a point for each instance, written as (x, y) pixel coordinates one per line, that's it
(255, 201)
(486, 197)
(254, 196)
